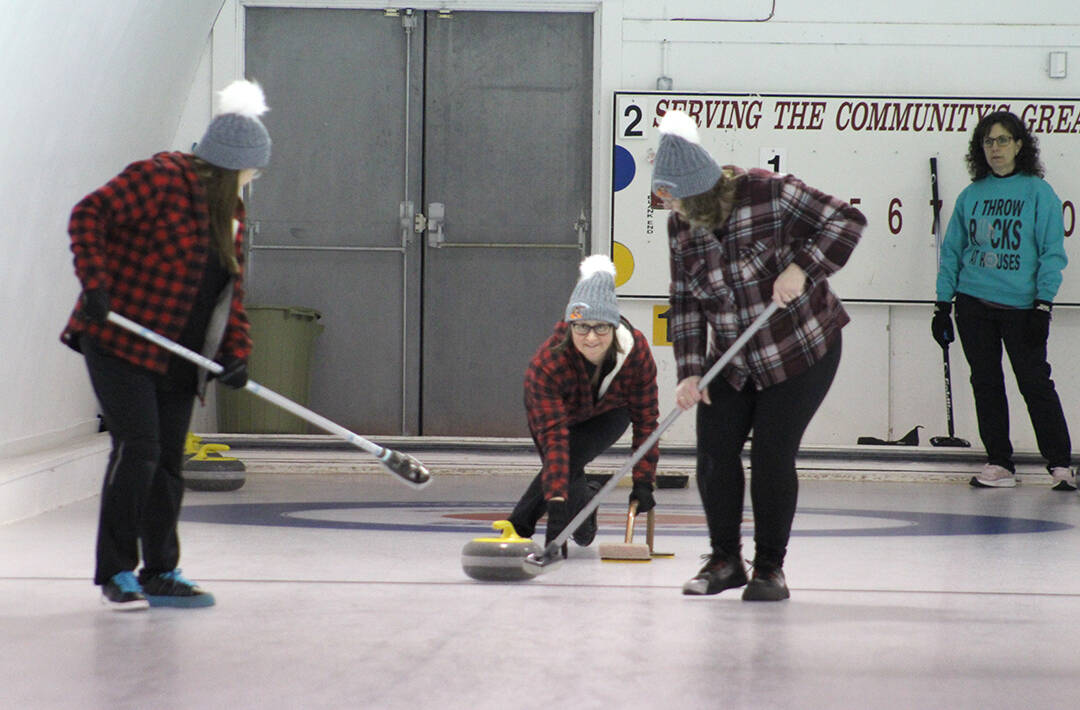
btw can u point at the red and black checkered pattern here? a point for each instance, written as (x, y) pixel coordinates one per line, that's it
(558, 394)
(144, 237)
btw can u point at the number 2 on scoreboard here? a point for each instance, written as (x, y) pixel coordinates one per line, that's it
(632, 121)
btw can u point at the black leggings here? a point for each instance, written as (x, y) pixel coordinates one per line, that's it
(140, 499)
(983, 331)
(588, 440)
(778, 416)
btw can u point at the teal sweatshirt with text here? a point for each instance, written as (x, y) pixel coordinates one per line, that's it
(1005, 242)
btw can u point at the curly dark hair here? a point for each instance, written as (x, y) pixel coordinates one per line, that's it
(1027, 160)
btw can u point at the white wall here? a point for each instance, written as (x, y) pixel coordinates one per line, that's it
(90, 85)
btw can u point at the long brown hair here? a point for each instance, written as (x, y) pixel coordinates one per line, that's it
(711, 208)
(222, 196)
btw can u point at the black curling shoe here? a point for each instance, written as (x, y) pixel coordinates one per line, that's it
(721, 571)
(766, 585)
(586, 533)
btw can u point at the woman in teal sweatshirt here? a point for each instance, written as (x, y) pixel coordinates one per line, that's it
(1001, 260)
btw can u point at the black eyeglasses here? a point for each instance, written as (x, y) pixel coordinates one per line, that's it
(1000, 140)
(584, 328)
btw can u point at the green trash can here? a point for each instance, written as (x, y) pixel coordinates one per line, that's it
(280, 360)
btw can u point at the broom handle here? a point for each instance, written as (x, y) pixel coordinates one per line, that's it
(948, 393)
(408, 469)
(253, 387)
(935, 202)
(552, 551)
(650, 528)
(631, 515)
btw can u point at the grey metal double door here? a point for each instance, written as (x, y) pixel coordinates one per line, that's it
(428, 194)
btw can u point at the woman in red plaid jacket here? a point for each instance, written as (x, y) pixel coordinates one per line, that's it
(161, 243)
(587, 383)
(740, 239)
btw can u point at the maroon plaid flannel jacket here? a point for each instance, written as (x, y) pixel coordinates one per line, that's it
(724, 279)
(145, 238)
(558, 395)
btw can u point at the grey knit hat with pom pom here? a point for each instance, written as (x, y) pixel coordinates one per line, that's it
(236, 139)
(594, 296)
(682, 167)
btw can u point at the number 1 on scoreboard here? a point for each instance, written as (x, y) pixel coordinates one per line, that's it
(774, 159)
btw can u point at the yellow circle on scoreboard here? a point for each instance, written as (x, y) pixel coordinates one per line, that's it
(624, 263)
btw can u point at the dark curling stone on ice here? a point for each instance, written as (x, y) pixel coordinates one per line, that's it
(500, 559)
(205, 469)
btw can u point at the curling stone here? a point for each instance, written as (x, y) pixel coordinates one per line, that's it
(205, 469)
(500, 559)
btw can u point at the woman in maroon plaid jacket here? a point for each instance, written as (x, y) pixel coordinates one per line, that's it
(740, 239)
(161, 243)
(591, 379)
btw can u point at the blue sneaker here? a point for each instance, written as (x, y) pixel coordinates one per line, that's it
(172, 589)
(123, 593)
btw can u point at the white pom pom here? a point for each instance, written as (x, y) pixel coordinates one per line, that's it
(244, 98)
(597, 263)
(680, 124)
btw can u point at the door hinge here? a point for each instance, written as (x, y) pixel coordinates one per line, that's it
(406, 219)
(581, 226)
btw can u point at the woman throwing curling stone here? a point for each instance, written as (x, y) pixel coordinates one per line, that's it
(161, 243)
(740, 239)
(586, 383)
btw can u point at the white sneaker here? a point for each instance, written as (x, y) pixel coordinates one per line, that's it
(993, 476)
(1064, 478)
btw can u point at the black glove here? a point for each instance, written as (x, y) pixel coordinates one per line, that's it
(1038, 324)
(95, 304)
(642, 493)
(235, 374)
(941, 326)
(558, 515)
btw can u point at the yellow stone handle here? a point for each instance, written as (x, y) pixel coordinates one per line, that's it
(206, 449)
(508, 533)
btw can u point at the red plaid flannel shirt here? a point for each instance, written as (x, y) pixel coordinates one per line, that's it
(145, 238)
(724, 279)
(558, 395)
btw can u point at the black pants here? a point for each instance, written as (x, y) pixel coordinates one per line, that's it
(140, 499)
(588, 440)
(778, 416)
(983, 330)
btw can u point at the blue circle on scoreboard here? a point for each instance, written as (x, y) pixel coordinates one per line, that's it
(623, 168)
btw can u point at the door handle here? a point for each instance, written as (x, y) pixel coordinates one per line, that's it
(436, 221)
(436, 231)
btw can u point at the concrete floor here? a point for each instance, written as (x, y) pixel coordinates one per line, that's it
(345, 590)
